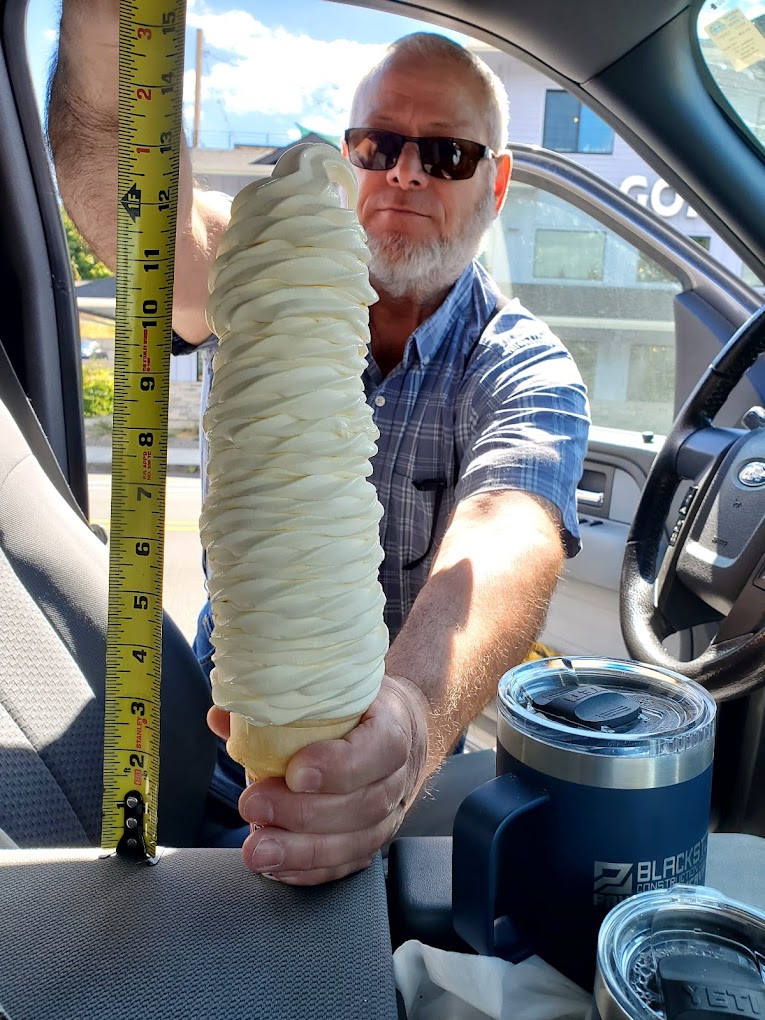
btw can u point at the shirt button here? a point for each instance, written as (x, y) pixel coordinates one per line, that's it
(426, 360)
(380, 401)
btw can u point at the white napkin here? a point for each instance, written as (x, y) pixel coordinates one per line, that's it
(437, 985)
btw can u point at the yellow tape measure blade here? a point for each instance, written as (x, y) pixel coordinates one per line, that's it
(150, 98)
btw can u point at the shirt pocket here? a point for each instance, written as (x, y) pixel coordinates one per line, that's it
(416, 526)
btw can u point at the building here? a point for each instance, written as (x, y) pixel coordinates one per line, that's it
(542, 113)
(230, 170)
(611, 304)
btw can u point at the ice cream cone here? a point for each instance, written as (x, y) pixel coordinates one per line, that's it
(266, 750)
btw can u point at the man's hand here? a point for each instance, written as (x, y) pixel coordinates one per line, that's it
(341, 800)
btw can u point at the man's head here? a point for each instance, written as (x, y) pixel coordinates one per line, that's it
(423, 225)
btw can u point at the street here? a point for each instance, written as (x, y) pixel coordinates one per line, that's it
(184, 587)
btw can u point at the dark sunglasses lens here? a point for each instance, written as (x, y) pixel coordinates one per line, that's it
(373, 150)
(450, 159)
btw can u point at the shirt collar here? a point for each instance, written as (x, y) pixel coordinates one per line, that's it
(430, 334)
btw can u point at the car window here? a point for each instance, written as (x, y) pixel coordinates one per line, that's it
(609, 303)
(732, 42)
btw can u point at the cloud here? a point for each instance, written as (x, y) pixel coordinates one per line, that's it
(50, 34)
(252, 68)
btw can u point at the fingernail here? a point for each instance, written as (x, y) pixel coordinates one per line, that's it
(267, 854)
(306, 781)
(258, 809)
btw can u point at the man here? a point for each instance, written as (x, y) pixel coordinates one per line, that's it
(482, 417)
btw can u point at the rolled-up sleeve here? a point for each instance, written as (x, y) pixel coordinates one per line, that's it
(523, 419)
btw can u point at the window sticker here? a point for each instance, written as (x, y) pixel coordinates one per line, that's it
(737, 39)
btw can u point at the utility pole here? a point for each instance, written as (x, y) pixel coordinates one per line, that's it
(197, 89)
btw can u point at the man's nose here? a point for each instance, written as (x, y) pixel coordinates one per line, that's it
(408, 172)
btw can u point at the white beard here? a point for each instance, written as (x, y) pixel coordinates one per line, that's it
(404, 267)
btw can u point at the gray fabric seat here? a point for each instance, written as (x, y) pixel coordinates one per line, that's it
(196, 936)
(90, 937)
(53, 606)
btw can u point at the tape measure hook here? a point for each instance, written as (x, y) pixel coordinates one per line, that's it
(132, 844)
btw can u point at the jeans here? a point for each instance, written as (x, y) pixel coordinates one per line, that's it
(228, 779)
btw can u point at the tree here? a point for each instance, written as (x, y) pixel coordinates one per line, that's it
(85, 265)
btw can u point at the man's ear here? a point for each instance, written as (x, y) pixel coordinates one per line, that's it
(502, 180)
(344, 148)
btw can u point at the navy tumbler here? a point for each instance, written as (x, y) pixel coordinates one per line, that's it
(604, 772)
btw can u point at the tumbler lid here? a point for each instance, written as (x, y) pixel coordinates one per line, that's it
(606, 706)
(685, 953)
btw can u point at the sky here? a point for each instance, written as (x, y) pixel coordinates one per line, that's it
(267, 66)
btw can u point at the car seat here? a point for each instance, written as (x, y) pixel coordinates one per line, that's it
(53, 604)
(63, 953)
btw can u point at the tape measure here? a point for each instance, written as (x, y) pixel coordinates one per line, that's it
(150, 95)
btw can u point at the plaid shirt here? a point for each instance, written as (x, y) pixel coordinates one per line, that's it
(470, 409)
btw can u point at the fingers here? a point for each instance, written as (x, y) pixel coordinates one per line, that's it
(270, 802)
(321, 875)
(219, 722)
(341, 800)
(379, 746)
(280, 853)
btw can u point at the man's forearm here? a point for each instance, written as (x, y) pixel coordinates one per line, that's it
(83, 134)
(82, 121)
(479, 612)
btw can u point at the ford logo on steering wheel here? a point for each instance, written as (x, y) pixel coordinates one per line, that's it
(752, 474)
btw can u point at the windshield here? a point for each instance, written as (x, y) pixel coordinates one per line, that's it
(732, 40)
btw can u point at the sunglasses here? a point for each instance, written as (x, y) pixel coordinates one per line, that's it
(448, 159)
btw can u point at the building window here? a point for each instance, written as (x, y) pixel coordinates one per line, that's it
(749, 277)
(572, 127)
(651, 371)
(649, 271)
(569, 254)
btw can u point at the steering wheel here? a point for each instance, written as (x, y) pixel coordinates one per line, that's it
(713, 570)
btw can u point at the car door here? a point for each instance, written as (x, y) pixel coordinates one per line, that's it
(643, 309)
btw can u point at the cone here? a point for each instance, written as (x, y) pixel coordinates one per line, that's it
(266, 750)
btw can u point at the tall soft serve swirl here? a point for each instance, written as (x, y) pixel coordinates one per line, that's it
(290, 524)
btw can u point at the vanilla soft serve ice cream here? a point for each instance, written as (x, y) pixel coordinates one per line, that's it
(291, 522)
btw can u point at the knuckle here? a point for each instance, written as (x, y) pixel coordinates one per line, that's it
(395, 789)
(305, 814)
(400, 743)
(317, 854)
(376, 803)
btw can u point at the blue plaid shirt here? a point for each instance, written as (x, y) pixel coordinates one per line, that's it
(470, 409)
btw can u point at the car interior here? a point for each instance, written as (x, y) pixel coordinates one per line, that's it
(78, 941)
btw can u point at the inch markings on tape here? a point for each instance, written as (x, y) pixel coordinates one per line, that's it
(150, 94)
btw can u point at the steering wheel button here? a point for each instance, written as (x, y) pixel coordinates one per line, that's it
(688, 499)
(754, 418)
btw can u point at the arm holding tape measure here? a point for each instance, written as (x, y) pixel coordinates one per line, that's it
(82, 131)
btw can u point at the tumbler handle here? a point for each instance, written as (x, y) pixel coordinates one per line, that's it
(479, 826)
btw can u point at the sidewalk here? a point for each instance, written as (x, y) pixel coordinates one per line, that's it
(183, 433)
(177, 457)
